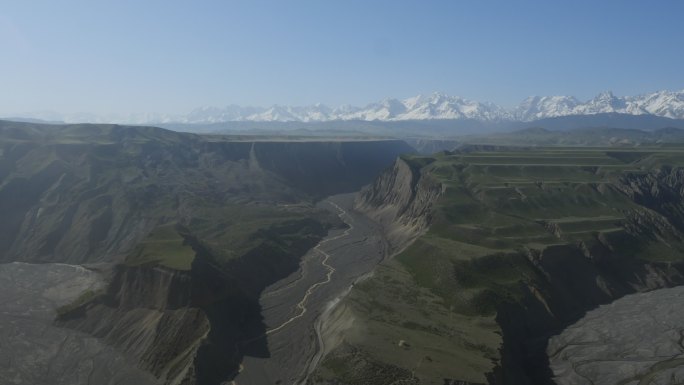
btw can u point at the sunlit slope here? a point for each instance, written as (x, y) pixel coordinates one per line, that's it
(519, 242)
(503, 203)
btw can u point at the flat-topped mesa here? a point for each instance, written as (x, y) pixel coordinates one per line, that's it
(401, 200)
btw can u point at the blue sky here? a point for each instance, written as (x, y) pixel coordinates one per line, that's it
(172, 56)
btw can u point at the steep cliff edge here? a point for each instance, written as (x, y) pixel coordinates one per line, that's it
(519, 245)
(149, 314)
(186, 327)
(401, 200)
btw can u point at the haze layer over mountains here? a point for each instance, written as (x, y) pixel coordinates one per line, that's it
(668, 104)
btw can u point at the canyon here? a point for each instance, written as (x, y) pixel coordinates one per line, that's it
(172, 258)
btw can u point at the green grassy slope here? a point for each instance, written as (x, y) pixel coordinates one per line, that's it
(501, 210)
(89, 193)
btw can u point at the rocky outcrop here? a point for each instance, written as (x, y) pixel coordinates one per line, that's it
(660, 190)
(401, 201)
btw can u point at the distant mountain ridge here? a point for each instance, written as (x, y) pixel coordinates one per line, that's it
(438, 106)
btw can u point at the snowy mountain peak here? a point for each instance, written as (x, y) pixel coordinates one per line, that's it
(539, 107)
(437, 105)
(605, 95)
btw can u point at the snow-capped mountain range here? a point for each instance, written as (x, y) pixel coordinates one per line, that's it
(669, 104)
(663, 103)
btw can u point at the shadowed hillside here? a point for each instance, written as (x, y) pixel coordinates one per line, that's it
(87, 193)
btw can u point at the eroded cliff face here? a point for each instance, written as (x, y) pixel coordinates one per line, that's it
(149, 314)
(401, 200)
(187, 327)
(660, 190)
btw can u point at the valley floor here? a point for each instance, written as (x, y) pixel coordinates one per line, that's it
(292, 306)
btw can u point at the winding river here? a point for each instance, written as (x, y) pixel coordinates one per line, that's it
(292, 306)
